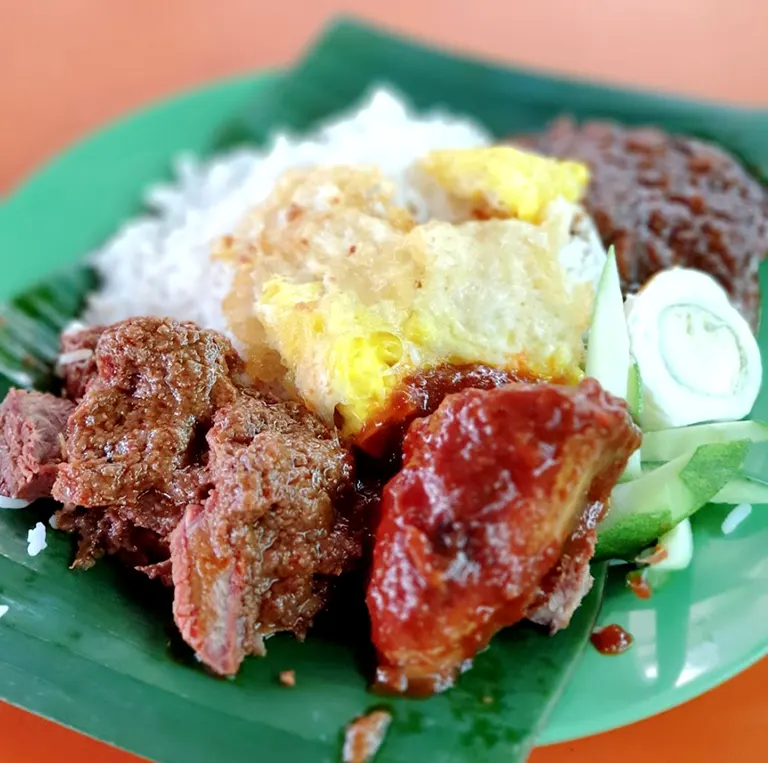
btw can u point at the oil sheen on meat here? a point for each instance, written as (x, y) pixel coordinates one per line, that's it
(494, 485)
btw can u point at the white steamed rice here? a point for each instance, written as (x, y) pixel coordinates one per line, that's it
(12, 503)
(735, 517)
(159, 264)
(36, 541)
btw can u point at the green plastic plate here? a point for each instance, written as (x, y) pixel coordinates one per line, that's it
(73, 641)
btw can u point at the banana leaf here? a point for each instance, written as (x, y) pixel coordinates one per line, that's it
(30, 325)
(98, 650)
(352, 57)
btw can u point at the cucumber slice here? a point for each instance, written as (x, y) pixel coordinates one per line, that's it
(742, 491)
(635, 391)
(635, 404)
(634, 468)
(645, 509)
(679, 544)
(608, 344)
(735, 517)
(668, 444)
(608, 358)
(756, 465)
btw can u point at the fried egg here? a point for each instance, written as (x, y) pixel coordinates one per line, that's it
(498, 181)
(347, 294)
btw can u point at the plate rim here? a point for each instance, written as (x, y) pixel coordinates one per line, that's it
(651, 707)
(552, 734)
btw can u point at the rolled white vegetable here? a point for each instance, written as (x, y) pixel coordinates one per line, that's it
(697, 356)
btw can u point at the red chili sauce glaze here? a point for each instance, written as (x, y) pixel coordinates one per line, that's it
(612, 639)
(492, 486)
(419, 395)
(379, 444)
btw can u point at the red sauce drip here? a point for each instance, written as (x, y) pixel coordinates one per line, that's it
(612, 639)
(637, 583)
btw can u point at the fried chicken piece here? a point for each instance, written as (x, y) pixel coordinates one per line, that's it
(419, 395)
(259, 555)
(570, 580)
(493, 485)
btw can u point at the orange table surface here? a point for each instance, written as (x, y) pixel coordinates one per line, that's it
(67, 66)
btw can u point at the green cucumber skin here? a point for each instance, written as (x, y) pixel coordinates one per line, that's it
(634, 391)
(667, 444)
(619, 541)
(712, 467)
(647, 508)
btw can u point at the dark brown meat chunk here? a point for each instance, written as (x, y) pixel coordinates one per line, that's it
(136, 453)
(173, 463)
(569, 581)
(31, 443)
(77, 361)
(258, 556)
(137, 534)
(494, 484)
(666, 200)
